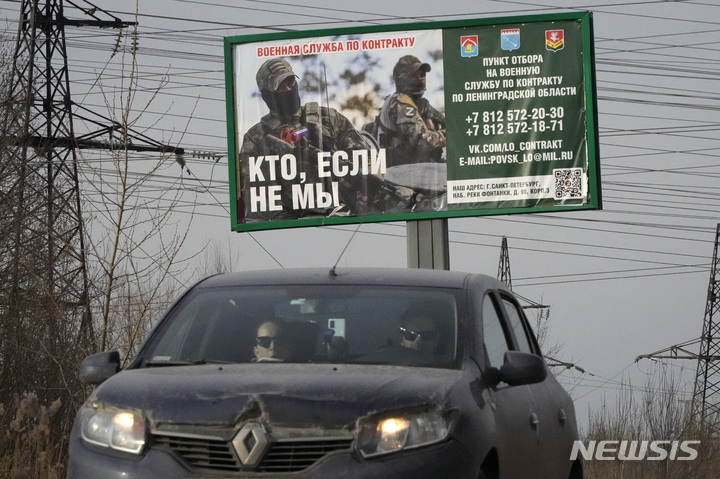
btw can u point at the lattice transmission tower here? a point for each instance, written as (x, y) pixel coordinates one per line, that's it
(42, 258)
(504, 264)
(706, 396)
(706, 393)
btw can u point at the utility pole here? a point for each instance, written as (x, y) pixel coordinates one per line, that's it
(45, 262)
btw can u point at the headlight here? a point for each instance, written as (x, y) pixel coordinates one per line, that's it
(391, 432)
(107, 426)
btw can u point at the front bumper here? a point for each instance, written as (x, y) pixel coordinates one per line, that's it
(449, 459)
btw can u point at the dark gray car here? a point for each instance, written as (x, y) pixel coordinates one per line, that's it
(354, 373)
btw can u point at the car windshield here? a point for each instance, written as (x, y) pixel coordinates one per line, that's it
(337, 323)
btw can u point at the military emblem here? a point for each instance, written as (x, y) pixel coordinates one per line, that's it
(510, 39)
(469, 46)
(554, 40)
(410, 111)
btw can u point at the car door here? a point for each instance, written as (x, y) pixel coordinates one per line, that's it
(518, 443)
(556, 423)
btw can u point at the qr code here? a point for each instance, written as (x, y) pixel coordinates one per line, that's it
(568, 183)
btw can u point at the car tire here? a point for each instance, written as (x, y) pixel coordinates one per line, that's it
(576, 471)
(490, 468)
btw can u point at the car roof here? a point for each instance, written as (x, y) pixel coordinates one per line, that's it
(354, 275)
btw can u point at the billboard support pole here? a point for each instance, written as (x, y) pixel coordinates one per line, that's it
(427, 244)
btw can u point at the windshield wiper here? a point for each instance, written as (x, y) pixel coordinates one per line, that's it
(189, 362)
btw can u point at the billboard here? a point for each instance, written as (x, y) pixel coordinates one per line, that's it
(413, 121)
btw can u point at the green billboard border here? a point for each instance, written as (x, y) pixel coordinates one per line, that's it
(589, 76)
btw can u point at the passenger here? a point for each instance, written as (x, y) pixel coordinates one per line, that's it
(271, 344)
(419, 332)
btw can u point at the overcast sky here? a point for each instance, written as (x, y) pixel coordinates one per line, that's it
(621, 282)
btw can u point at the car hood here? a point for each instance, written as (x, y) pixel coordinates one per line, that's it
(284, 394)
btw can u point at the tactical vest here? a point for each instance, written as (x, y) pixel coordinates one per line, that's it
(314, 118)
(385, 124)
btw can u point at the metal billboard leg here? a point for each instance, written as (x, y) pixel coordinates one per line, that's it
(427, 244)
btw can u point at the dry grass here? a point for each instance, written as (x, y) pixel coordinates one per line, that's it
(658, 413)
(28, 447)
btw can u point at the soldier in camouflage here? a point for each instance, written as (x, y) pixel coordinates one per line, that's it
(303, 131)
(410, 129)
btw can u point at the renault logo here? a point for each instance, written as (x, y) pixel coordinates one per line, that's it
(250, 444)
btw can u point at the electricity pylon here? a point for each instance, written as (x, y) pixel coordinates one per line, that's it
(504, 264)
(706, 392)
(505, 276)
(706, 396)
(44, 260)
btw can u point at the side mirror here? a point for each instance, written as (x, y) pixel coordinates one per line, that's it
(522, 368)
(98, 367)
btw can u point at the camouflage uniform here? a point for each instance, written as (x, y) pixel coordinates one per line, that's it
(410, 129)
(327, 130)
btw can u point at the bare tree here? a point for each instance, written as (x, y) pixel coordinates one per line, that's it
(216, 258)
(136, 234)
(541, 326)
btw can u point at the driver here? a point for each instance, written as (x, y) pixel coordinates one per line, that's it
(271, 344)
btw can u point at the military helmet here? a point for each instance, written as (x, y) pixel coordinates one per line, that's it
(407, 66)
(404, 75)
(272, 73)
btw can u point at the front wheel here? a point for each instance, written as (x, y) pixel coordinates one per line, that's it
(576, 471)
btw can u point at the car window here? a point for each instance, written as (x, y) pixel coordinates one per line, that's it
(339, 323)
(516, 323)
(494, 335)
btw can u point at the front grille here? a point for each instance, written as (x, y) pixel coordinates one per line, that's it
(289, 456)
(202, 453)
(282, 456)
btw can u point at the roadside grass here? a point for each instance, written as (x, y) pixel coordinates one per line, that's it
(660, 412)
(28, 447)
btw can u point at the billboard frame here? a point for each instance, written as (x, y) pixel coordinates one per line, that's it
(594, 195)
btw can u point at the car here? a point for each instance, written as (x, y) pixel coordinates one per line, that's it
(337, 372)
